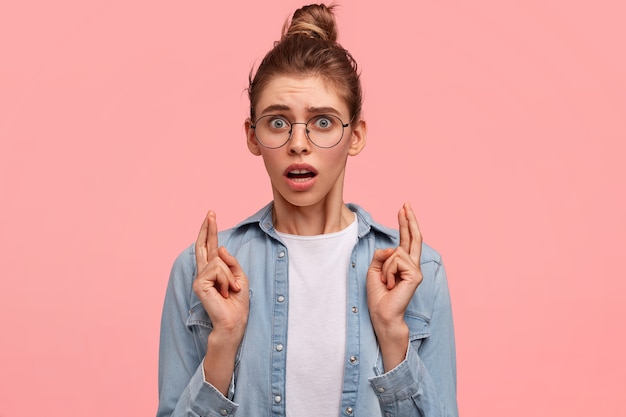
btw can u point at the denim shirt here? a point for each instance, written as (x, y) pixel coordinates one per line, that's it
(424, 384)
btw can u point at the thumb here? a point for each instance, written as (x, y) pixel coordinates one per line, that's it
(233, 264)
(379, 258)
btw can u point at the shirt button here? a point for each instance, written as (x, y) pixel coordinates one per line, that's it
(355, 309)
(381, 389)
(277, 399)
(224, 412)
(281, 254)
(353, 264)
(279, 347)
(349, 410)
(281, 298)
(353, 359)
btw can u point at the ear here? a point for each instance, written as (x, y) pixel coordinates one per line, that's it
(251, 141)
(358, 138)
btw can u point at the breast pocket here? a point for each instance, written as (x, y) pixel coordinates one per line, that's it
(419, 328)
(200, 325)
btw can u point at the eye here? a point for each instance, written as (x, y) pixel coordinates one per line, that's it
(277, 123)
(323, 122)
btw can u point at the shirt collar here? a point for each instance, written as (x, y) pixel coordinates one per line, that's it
(264, 219)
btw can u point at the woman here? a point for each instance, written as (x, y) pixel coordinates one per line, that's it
(308, 307)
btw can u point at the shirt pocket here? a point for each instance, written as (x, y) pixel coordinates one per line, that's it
(200, 325)
(419, 327)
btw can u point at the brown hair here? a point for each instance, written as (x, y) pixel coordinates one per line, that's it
(308, 47)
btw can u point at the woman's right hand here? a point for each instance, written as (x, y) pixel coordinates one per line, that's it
(220, 284)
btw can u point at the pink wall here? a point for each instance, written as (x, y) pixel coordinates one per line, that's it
(503, 122)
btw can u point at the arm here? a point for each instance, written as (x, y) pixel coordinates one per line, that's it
(222, 288)
(420, 378)
(182, 390)
(424, 384)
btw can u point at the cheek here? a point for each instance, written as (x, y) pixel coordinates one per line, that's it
(271, 162)
(333, 163)
(340, 153)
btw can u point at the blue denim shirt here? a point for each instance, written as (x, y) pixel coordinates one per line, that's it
(424, 384)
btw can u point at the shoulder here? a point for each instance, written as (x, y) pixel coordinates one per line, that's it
(185, 263)
(430, 255)
(246, 231)
(386, 237)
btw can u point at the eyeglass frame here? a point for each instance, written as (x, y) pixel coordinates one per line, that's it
(306, 130)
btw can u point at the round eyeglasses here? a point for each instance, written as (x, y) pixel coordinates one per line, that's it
(324, 130)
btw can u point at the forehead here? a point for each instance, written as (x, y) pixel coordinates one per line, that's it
(300, 94)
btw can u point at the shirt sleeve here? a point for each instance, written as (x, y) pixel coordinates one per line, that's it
(424, 384)
(182, 388)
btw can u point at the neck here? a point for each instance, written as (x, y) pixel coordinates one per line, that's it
(327, 216)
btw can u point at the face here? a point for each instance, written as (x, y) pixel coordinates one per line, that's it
(301, 173)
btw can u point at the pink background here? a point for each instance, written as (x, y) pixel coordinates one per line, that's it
(503, 122)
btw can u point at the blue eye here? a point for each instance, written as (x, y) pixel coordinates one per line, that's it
(278, 124)
(323, 122)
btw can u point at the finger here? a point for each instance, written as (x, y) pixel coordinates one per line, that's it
(212, 234)
(223, 278)
(214, 277)
(406, 273)
(391, 281)
(389, 272)
(379, 258)
(399, 267)
(389, 269)
(415, 247)
(403, 226)
(201, 249)
(236, 272)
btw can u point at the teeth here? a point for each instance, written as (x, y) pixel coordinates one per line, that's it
(299, 171)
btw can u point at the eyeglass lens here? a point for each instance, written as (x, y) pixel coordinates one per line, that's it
(274, 131)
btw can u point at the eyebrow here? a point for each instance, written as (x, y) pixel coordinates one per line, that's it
(315, 110)
(275, 107)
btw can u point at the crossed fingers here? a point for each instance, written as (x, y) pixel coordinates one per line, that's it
(403, 262)
(410, 236)
(215, 265)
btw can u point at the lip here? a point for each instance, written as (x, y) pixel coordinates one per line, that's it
(300, 184)
(295, 167)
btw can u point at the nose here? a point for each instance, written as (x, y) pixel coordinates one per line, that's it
(299, 142)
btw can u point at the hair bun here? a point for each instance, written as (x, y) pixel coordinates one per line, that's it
(315, 21)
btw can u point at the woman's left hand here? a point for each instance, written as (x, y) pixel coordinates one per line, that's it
(392, 278)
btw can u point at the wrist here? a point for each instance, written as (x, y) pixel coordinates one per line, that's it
(219, 361)
(225, 339)
(392, 332)
(393, 342)
(388, 323)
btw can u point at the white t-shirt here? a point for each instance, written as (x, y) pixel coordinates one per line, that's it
(316, 338)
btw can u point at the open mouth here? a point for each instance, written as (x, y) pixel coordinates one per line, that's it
(300, 174)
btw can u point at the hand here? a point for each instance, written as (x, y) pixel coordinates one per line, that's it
(394, 274)
(220, 284)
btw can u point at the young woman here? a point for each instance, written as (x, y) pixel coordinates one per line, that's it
(309, 307)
